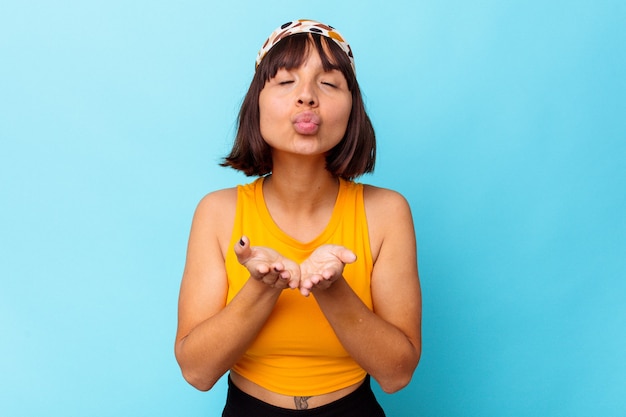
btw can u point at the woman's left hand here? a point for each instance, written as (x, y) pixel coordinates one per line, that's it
(323, 267)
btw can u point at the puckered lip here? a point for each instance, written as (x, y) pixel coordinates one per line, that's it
(307, 117)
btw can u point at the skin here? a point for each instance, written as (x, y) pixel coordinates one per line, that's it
(212, 336)
(308, 87)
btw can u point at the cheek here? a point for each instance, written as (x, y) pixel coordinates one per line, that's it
(271, 122)
(343, 114)
(271, 106)
(267, 115)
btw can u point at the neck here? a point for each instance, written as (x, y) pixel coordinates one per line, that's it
(304, 187)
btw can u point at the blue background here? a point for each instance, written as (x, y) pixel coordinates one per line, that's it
(502, 122)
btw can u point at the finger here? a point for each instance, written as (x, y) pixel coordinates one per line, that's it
(263, 269)
(271, 275)
(269, 279)
(322, 285)
(345, 255)
(282, 282)
(292, 273)
(243, 249)
(327, 274)
(305, 285)
(278, 267)
(315, 279)
(294, 283)
(279, 283)
(283, 276)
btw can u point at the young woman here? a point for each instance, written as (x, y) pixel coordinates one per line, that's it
(303, 283)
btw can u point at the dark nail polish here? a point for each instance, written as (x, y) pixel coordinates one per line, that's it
(241, 242)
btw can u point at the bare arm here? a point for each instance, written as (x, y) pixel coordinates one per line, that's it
(387, 341)
(211, 335)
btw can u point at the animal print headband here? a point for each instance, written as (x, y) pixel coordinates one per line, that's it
(304, 26)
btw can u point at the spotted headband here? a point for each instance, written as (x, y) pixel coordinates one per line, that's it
(304, 26)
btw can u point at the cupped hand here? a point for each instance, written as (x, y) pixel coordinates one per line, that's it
(267, 265)
(323, 267)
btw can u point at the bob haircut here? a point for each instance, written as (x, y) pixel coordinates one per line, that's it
(353, 156)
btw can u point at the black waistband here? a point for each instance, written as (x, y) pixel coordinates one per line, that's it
(359, 403)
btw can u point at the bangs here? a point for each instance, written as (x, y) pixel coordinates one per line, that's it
(292, 51)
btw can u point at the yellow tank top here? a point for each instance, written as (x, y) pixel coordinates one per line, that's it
(297, 351)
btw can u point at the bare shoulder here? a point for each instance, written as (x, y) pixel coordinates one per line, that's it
(224, 199)
(218, 205)
(216, 213)
(389, 217)
(382, 199)
(385, 207)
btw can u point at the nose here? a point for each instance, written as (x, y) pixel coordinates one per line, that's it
(306, 95)
(309, 102)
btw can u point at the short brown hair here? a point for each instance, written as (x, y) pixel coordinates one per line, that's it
(355, 155)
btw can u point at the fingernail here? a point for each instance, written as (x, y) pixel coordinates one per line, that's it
(241, 242)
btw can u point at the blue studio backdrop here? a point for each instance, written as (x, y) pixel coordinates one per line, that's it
(502, 122)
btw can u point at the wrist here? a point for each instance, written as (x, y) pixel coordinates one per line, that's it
(336, 287)
(260, 289)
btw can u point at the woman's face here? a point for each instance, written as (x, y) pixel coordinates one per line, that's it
(305, 110)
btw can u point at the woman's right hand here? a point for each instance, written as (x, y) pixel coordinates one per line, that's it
(267, 265)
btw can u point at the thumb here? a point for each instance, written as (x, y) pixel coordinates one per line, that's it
(243, 250)
(345, 255)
